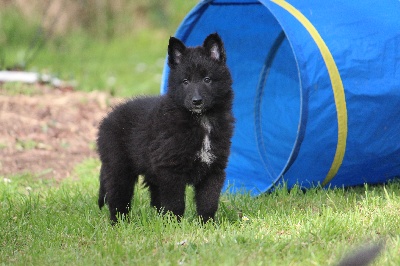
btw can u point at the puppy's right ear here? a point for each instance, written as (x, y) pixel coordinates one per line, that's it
(176, 48)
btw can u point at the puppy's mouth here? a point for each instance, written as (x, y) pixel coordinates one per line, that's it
(197, 109)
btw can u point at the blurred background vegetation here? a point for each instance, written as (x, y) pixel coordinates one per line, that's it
(113, 45)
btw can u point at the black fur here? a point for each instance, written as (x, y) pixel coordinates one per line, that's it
(164, 138)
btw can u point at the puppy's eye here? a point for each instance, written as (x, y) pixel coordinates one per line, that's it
(207, 80)
(185, 82)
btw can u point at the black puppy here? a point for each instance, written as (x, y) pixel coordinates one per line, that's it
(177, 139)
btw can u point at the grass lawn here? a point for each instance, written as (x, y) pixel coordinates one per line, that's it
(43, 223)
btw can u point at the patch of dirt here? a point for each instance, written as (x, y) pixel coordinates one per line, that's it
(49, 131)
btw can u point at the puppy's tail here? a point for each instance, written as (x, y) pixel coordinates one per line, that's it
(102, 191)
(102, 197)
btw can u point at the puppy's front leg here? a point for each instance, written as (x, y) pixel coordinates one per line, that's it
(172, 195)
(207, 195)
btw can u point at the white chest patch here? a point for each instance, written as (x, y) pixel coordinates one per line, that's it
(205, 153)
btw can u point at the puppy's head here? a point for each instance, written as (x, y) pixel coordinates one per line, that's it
(199, 78)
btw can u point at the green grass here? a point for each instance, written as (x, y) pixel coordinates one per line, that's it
(123, 66)
(47, 224)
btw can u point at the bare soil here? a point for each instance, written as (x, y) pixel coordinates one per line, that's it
(48, 131)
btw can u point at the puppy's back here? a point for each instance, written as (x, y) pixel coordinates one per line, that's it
(123, 122)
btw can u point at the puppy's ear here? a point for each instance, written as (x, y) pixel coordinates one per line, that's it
(214, 47)
(176, 48)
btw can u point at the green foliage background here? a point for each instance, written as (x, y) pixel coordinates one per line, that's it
(117, 46)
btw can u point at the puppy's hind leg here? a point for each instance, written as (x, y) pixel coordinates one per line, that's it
(119, 187)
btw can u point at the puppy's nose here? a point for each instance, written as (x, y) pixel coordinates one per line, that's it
(197, 100)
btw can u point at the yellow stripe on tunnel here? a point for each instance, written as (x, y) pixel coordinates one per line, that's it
(337, 87)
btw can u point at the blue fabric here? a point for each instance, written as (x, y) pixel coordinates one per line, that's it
(284, 105)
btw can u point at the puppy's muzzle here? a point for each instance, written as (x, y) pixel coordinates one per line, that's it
(197, 102)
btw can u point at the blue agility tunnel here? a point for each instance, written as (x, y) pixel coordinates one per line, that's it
(317, 89)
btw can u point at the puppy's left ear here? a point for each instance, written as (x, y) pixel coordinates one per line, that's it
(214, 47)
